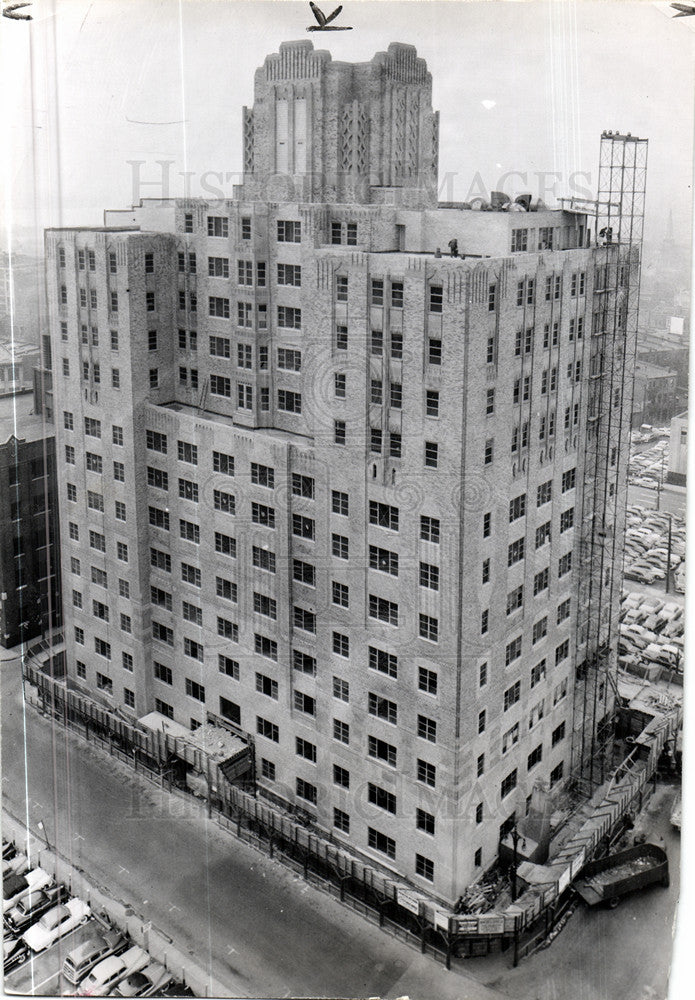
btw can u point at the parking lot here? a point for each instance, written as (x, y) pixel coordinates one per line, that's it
(42, 976)
(44, 924)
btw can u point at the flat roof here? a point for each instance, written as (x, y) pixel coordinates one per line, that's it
(17, 419)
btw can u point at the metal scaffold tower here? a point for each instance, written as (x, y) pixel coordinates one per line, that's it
(610, 353)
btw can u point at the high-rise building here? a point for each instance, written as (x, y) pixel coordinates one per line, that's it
(322, 483)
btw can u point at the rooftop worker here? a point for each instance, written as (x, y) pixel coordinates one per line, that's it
(454, 247)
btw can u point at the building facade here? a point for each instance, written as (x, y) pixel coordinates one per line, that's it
(30, 598)
(323, 484)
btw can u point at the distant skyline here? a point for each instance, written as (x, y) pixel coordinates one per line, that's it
(97, 92)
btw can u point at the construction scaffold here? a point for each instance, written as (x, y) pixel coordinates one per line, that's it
(619, 220)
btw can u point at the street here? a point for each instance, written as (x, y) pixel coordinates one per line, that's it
(671, 501)
(265, 932)
(250, 921)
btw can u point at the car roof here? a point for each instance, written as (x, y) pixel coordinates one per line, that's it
(88, 947)
(108, 966)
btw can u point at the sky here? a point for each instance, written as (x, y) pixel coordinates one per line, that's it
(91, 88)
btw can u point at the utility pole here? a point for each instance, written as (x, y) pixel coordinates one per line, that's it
(668, 554)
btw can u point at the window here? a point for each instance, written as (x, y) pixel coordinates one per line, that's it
(564, 564)
(266, 647)
(263, 559)
(289, 360)
(436, 298)
(341, 731)
(383, 708)
(290, 274)
(289, 231)
(226, 589)
(218, 267)
(427, 680)
(540, 629)
(381, 751)
(380, 842)
(341, 288)
(563, 610)
(267, 686)
(508, 784)
(429, 529)
(263, 605)
(431, 454)
(102, 648)
(429, 576)
(290, 402)
(381, 798)
(569, 480)
(510, 738)
(218, 226)
(489, 449)
(434, 352)
(558, 734)
(543, 534)
(544, 493)
(377, 292)
(267, 769)
(383, 515)
(304, 619)
(189, 531)
(224, 502)
(246, 228)
(427, 728)
(538, 672)
(512, 695)
(517, 507)
(515, 600)
(191, 574)
(156, 442)
(339, 431)
(492, 298)
(385, 663)
(303, 527)
(267, 729)
(218, 307)
(225, 545)
(305, 749)
(339, 593)
(566, 519)
(515, 551)
(562, 652)
(429, 628)
(556, 774)
(159, 518)
(540, 581)
(383, 610)
(223, 463)
(104, 684)
(339, 503)
(162, 599)
(382, 560)
(512, 651)
(341, 689)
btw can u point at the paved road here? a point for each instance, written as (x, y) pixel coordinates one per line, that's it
(250, 921)
(670, 501)
(601, 954)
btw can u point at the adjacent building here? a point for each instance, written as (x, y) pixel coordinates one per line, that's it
(30, 600)
(322, 484)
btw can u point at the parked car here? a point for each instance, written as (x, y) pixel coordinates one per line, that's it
(14, 954)
(15, 865)
(177, 990)
(107, 974)
(16, 887)
(82, 959)
(145, 983)
(56, 923)
(32, 906)
(8, 850)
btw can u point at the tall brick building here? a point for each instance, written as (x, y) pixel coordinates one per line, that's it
(323, 484)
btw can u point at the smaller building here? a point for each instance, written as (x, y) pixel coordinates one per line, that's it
(678, 450)
(30, 594)
(17, 363)
(655, 394)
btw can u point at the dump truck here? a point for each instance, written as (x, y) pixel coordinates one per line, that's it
(607, 880)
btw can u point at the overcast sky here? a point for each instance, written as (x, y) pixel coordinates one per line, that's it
(90, 86)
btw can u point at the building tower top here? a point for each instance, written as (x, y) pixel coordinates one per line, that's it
(328, 131)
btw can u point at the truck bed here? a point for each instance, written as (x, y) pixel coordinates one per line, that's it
(608, 879)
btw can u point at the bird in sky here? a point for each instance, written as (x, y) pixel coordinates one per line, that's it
(684, 9)
(11, 12)
(324, 23)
